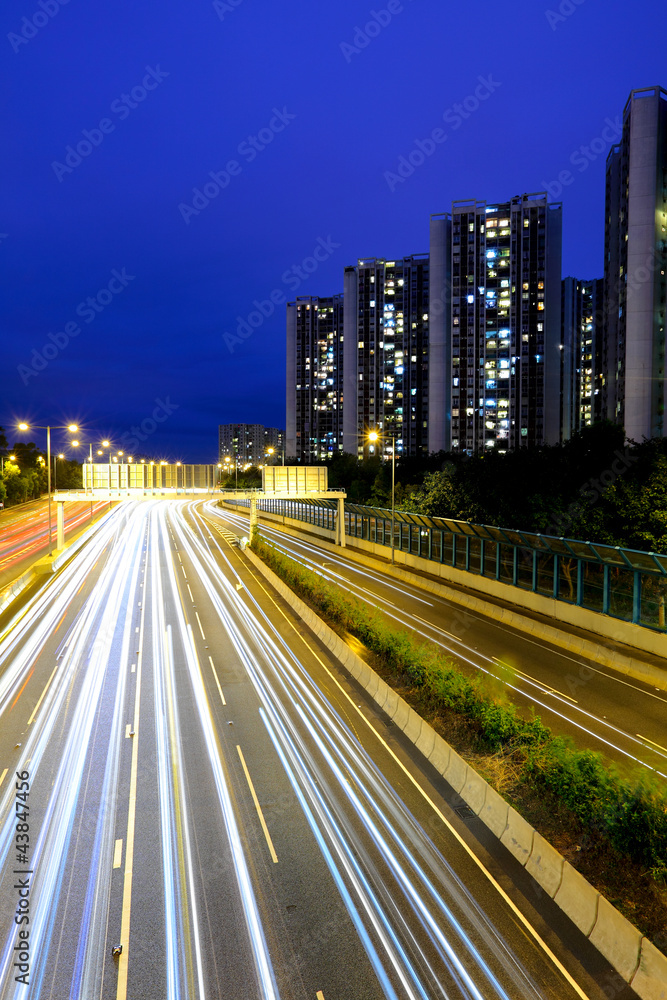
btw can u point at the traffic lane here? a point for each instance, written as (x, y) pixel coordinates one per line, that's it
(291, 890)
(605, 712)
(448, 848)
(65, 773)
(25, 539)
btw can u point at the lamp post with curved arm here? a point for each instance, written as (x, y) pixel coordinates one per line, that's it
(40, 427)
(374, 437)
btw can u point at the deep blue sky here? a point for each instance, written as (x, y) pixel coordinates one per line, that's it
(322, 176)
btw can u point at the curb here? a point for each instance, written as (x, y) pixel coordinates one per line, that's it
(631, 954)
(605, 657)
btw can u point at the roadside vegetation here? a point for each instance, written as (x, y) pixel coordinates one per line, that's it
(611, 827)
(595, 487)
(23, 476)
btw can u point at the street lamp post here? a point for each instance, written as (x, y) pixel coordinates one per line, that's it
(68, 427)
(373, 437)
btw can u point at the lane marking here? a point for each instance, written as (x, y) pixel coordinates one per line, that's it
(121, 988)
(2, 776)
(127, 731)
(217, 681)
(424, 794)
(319, 995)
(200, 628)
(22, 688)
(118, 853)
(133, 668)
(274, 856)
(664, 749)
(190, 593)
(34, 711)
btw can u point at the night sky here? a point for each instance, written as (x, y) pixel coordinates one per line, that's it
(179, 89)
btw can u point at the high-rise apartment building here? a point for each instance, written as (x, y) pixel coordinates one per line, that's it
(314, 383)
(634, 276)
(440, 333)
(248, 443)
(504, 361)
(386, 355)
(582, 316)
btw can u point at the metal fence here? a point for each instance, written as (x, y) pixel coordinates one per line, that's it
(622, 583)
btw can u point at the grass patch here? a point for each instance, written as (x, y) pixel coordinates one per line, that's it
(600, 820)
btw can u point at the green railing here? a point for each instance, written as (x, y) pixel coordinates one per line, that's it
(623, 583)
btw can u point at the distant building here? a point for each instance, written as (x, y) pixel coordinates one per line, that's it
(582, 327)
(386, 373)
(249, 443)
(314, 382)
(634, 276)
(504, 362)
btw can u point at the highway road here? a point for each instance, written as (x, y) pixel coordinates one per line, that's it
(24, 533)
(598, 707)
(187, 779)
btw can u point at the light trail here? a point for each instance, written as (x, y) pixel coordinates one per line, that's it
(287, 685)
(414, 921)
(311, 556)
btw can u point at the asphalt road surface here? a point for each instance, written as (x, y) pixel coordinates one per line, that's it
(599, 708)
(188, 779)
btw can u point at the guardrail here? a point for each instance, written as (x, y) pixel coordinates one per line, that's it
(623, 583)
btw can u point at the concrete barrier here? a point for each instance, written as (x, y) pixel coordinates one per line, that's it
(650, 979)
(621, 944)
(518, 836)
(616, 939)
(457, 771)
(494, 812)
(474, 789)
(414, 726)
(578, 899)
(545, 864)
(439, 756)
(426, 741)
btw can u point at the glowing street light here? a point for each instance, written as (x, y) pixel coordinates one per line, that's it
(68, 427)
(374, 437)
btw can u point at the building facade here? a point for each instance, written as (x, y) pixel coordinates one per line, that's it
(504, 359)
(386, 355)
(635, 258)
(314, 382)
(248, 443)
(581, 376)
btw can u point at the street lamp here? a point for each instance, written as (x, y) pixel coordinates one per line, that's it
(67, 427)
(373, 437)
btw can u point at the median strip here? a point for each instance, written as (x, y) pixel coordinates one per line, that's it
(630, 816)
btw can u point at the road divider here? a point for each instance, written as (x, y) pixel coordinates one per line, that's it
(631, 954)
